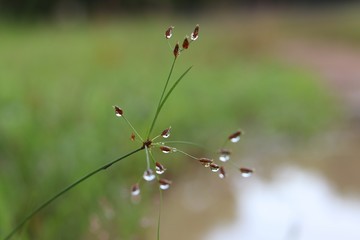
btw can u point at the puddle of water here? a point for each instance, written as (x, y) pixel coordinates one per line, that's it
(296, 205)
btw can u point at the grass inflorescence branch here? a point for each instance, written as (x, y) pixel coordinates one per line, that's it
(154, 168)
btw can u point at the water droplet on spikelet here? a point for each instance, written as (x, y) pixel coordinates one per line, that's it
(165, 149)
(224, 155)
(222, 173)
(235, 137)
(246, 172)
(164, 184)
(159, 168)
(135, 190)
(214, 167)
(149, 175)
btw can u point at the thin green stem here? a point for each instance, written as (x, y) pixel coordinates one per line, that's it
(161, 98)
(186, 154)
(42, 206)
(132, 127)
(185, 142)
(172, 88)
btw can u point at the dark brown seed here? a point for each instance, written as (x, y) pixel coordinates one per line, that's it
(205, 161)
(164, 181)
(166, 133)
(165, 149)
(118, 111)
(176, 50)
(246, 170)
(222, 173)
(164, 184)
(159, 168)
(235, 135)
(135, 189)
(186, 43)
(225, 151)
(214, 167)
(195, 33)
(168, 32)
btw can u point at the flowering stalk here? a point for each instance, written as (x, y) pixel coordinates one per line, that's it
(148, 144)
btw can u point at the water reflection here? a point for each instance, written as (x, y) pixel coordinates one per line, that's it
(295, 205)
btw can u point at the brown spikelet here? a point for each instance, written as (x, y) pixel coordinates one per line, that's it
(186, 43)
(176, 50)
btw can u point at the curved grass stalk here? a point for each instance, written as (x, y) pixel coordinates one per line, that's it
(173, 87)
(46, 203)
(161, 98)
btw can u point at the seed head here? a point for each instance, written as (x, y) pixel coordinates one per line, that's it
(206, 161)
(166, 133)
(222, 173)
(118, 111)
(186, 43)
(235, 137)
(168, 32)
(165, 149)
(149, 175)
(176, 50)
(160, 169)
(214, 167)
(164, 183)
(246, 172)
(224, 155)
(195, 33)
(135, 189)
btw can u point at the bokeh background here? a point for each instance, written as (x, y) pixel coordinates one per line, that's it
(285, 72)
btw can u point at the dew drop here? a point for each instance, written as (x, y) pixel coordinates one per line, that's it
(224, 155)
(195, 33)
(135, 190)
(149, 175)
(222, 173)
(118, 111)
(205, 162)
(159, 168)
(166, 133)
(246, 172)
(165, 149)
(235, 137)
(214, 167)
(164, 184)
(168, 32)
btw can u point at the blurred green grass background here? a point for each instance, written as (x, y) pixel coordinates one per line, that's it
(58, 83)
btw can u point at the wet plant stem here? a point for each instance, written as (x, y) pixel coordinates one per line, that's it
(46, 203)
